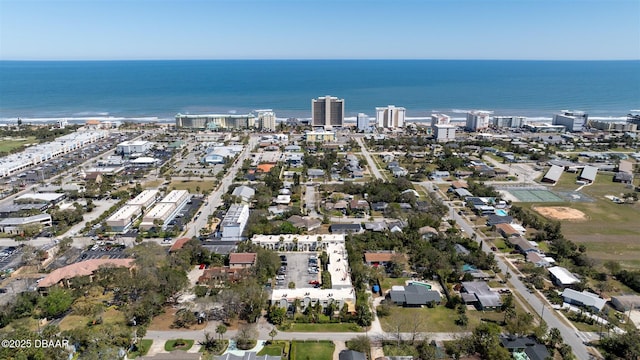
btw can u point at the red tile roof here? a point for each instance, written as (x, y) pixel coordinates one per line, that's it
(83, 268)
(378, 257)
(179, 244)
(242, 258)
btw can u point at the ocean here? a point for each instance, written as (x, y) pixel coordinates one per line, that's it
(150, 90)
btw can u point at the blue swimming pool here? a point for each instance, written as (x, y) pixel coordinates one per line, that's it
(501, 212)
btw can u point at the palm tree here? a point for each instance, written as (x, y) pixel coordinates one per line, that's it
(221, 330)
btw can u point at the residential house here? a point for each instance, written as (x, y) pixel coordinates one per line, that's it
(427, 232)
(494, 219)
(359, 206)
(63, 276)
(315, 173)
(462, 193)
(440, 175)
(345, 228)
(539, 260)
(220, 275)
(584, 298)
(179, 244)
(379, 206)
(245, 193)
(532, 349)
(351, 355)
(413, 295)
(304, 222)
(562, 277)
(523, 245)
(242, 260)
(376, 226)
(376, 259)
(507, 231)
(479, 294)
(461, 250)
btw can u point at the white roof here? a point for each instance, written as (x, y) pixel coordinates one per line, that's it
(160, 211)
(589, 173)
(585, 297)
(144, 197)
(125, 213)
(563, 275)
(338, 266)
(175, 196)
(41, 196)
(554, 173)
(144, 160)
(347, 294)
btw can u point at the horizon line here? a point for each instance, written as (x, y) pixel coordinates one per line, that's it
(304, 59)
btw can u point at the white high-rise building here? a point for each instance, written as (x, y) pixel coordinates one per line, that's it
(390, 117)
(440, 119)
(362, 122)
(571, 120)
(509, 121)
(266, 119)
(478, 120)
(444, 132)
(327, 111)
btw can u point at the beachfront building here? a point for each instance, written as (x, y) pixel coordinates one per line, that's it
(362, 122)
(390, 117)
(571, 120)
(478, 120)
(508, 121)
(234, 222)
(37, 154)
(215, 121)
(327, 111)
(440, 119)
(133, 147)
(444, 132)
(266, 119)
(613, 126)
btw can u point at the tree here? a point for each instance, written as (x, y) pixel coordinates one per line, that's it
(273, 333)
(56, 302)
(359, 343)
(554, 338)
(221, 330)
(246, 337)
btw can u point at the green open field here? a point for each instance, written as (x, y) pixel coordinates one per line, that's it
(438, 319)
(612, 231)
(302, 350)
(192, 185)
(8, 144)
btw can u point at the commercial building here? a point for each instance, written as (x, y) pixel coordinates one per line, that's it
(132, 147)
(64, 275)
(390, 117)
(40, 198)
(444, 132)
(320, 136)
(18, 224)
(234, 222)
(37, 154)
(145, 199)
(508, 121)
(297, 242)
(362, 122)
(215, 121)
(571, 120)
(478, 120)
(266, 120)
(121, 220)
(327, 111)
(165, 210)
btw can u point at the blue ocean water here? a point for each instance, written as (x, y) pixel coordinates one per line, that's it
(163, 88)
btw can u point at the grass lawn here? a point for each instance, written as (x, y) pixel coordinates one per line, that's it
(143, 348)
(438, 319)
(387, 283)
(312, 350)
(72, 321)
(501, 245)
(332, 327)
(170, 345)
(192, 185)
(277, 348)
(612, 230)
(8, 144)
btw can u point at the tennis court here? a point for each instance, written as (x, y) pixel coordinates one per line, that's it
(535, 195)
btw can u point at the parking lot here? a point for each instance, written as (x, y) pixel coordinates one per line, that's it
(103, 252)
(10, 257)
(298, 270)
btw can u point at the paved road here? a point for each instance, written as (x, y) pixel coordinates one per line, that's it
(570, 334)
(214, 200)
(373, 168)
(310, 201)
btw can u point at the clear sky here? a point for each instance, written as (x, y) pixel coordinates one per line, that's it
(319, 29)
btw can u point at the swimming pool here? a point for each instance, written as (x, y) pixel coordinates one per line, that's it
(501, 212)
(419, 283)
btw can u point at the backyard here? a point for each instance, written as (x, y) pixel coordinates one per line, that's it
(316, 350)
